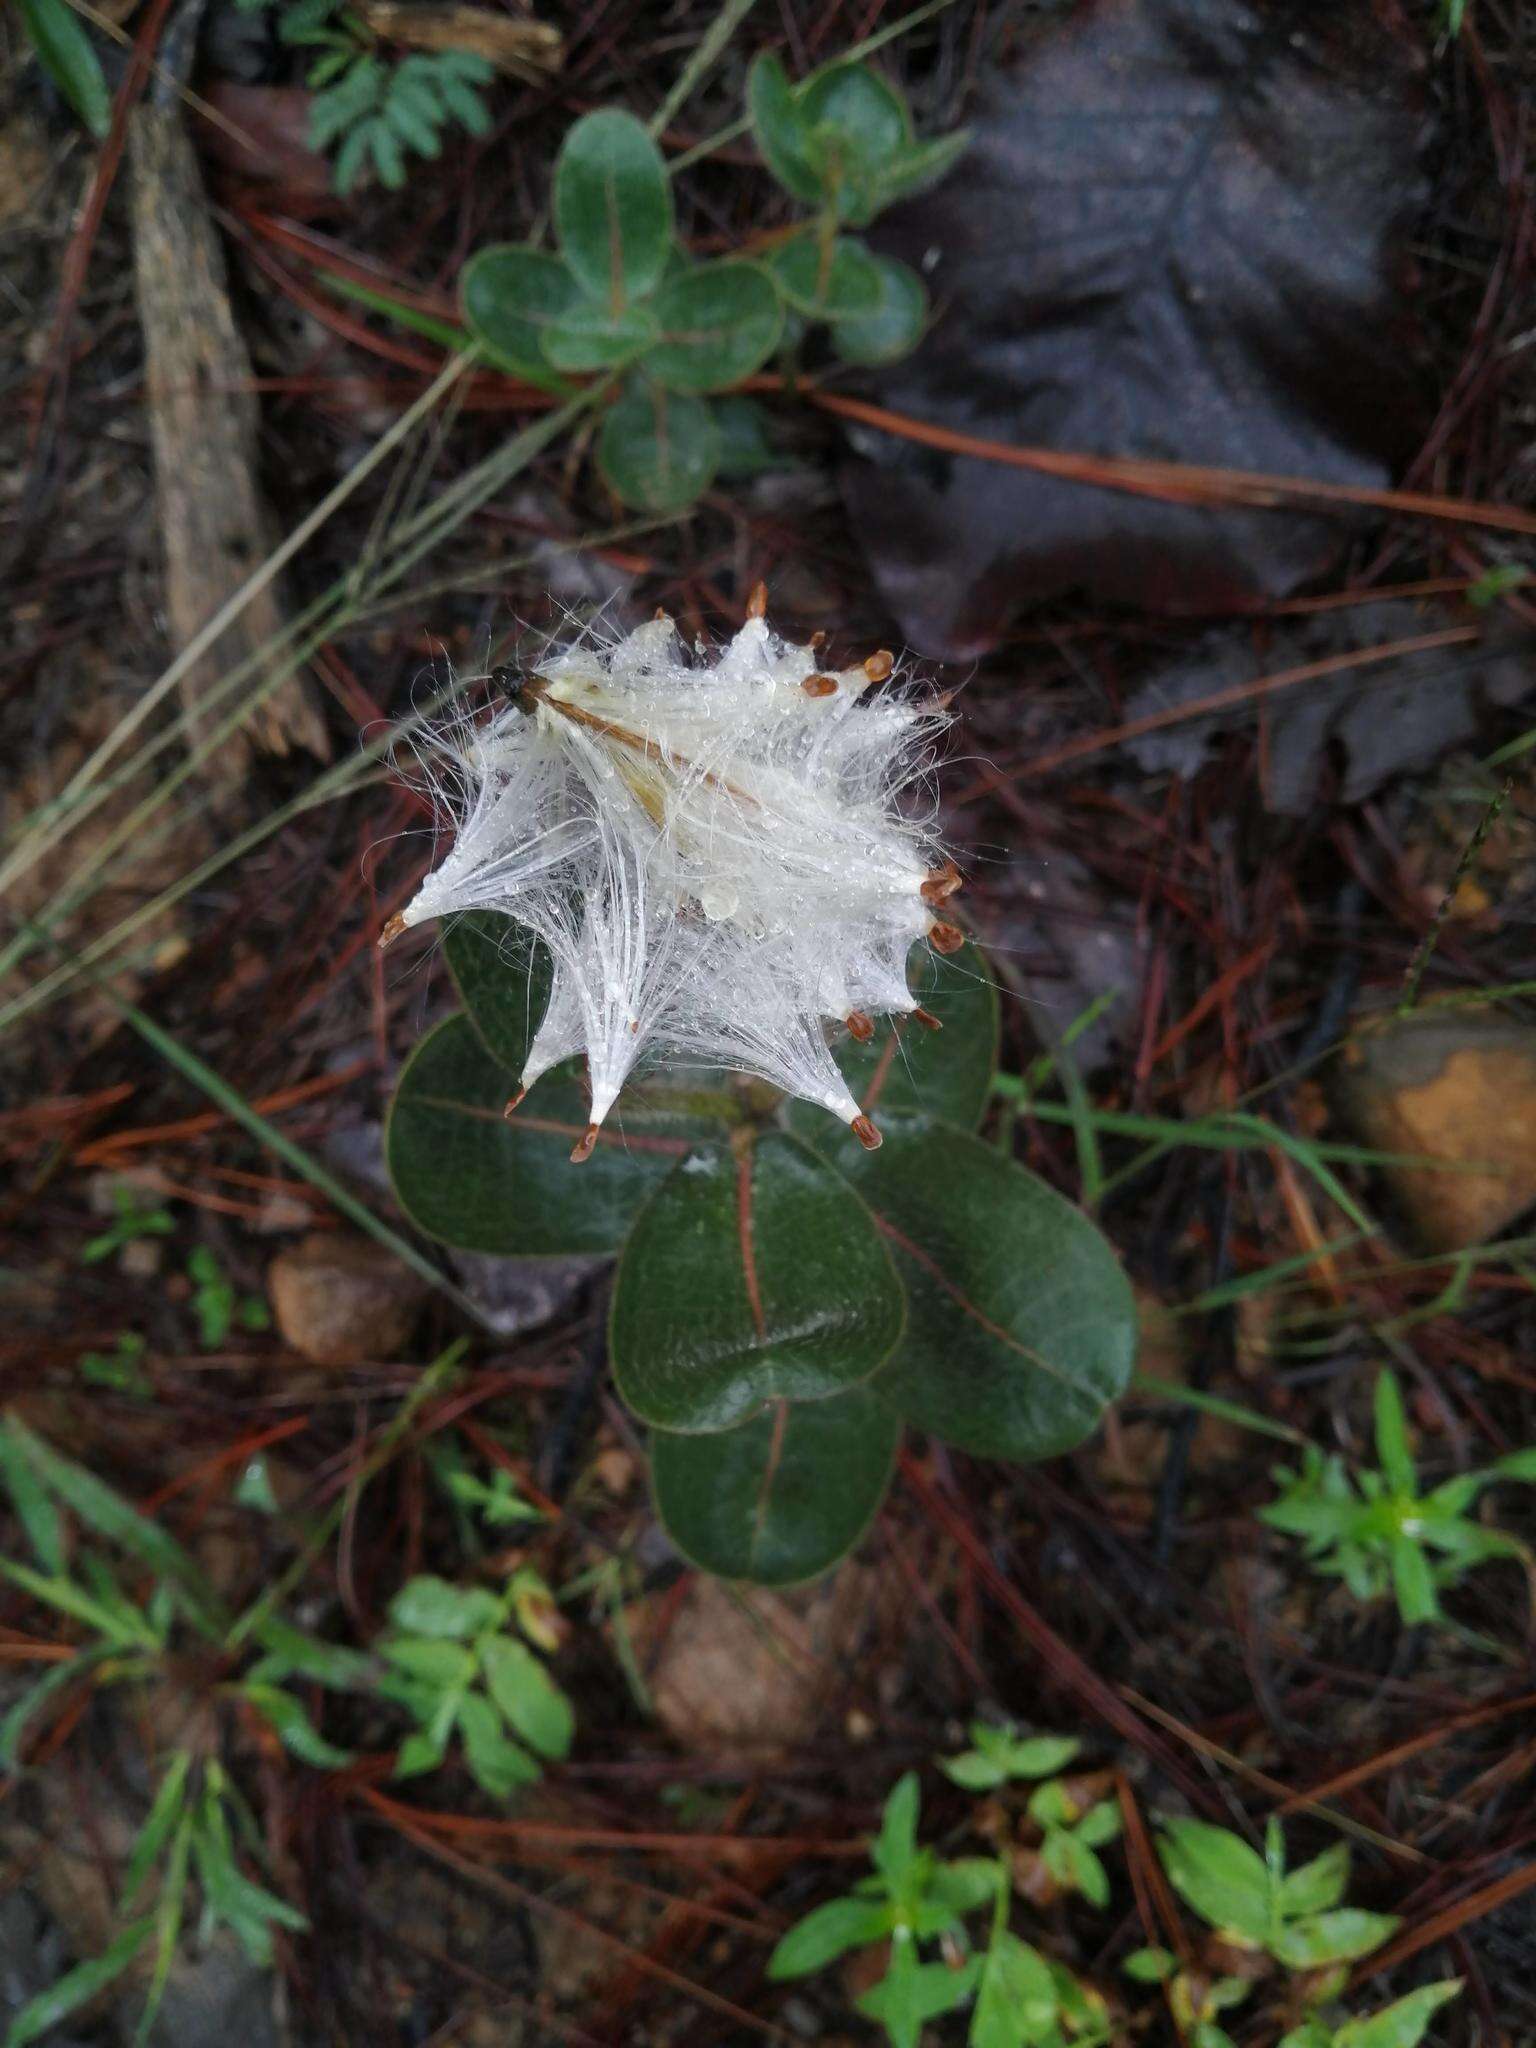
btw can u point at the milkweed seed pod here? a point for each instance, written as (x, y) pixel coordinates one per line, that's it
(724, 853)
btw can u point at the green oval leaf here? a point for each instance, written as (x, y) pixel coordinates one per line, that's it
(1020, 1321)
(529, 1699)
(658, 449)
(751, 1275)
(69, 57)
(837, 280)
(895, 327)
(503, 973)
(780, 130)
(511, 296)
(781, 1498)
(593, 337)
(869, 116)
(908, 1069)
(829, 1932)
(475, 1179)
(1221, 1876)
(859, 129)
(718, 324)
(613, 206)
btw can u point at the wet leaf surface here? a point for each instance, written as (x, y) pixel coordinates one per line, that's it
(485, 1183)
(783, 1496)
(749, 1279)
(1174, 236)
(1021, 1324)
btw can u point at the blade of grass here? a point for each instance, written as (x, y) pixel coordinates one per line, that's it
(1212, 1404)
(234, 1104)
(37, 838)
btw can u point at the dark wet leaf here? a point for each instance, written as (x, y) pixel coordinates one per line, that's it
(906, 1067)
(749, 1278)
(1386, 718)
(503, 974)
(780, 1498)
(1174, 237)
(475, 1179)
(1020, 1320)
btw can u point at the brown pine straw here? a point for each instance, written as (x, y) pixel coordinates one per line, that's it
(1447, 1922)
(1178, 483)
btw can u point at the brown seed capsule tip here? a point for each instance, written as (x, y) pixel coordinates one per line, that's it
(757, 601)
(663, 614)
(945, 938)
(582, 1150)
(859, 1026)
(513, 1101)
(393, 927)
(817, 637)
(928, 1019)
(941, 884)
(877, 666)
(820, 686)
(866, 1133)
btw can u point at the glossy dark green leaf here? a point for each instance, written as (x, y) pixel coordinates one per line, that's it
(69, 57)
(896, 325)
(906, 1068)
(780, 1498)
(591, 336)
(781, 131)
(468, 1175)
(1020, 1320)
(503, 974)
(837, 280)
(749, 1277)
(613, 207)
(717, 325)
(512, 296)
(658, 449)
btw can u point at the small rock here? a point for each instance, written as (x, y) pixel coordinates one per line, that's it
(756, 1670)
(1455, 1086)
(340, 1299)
